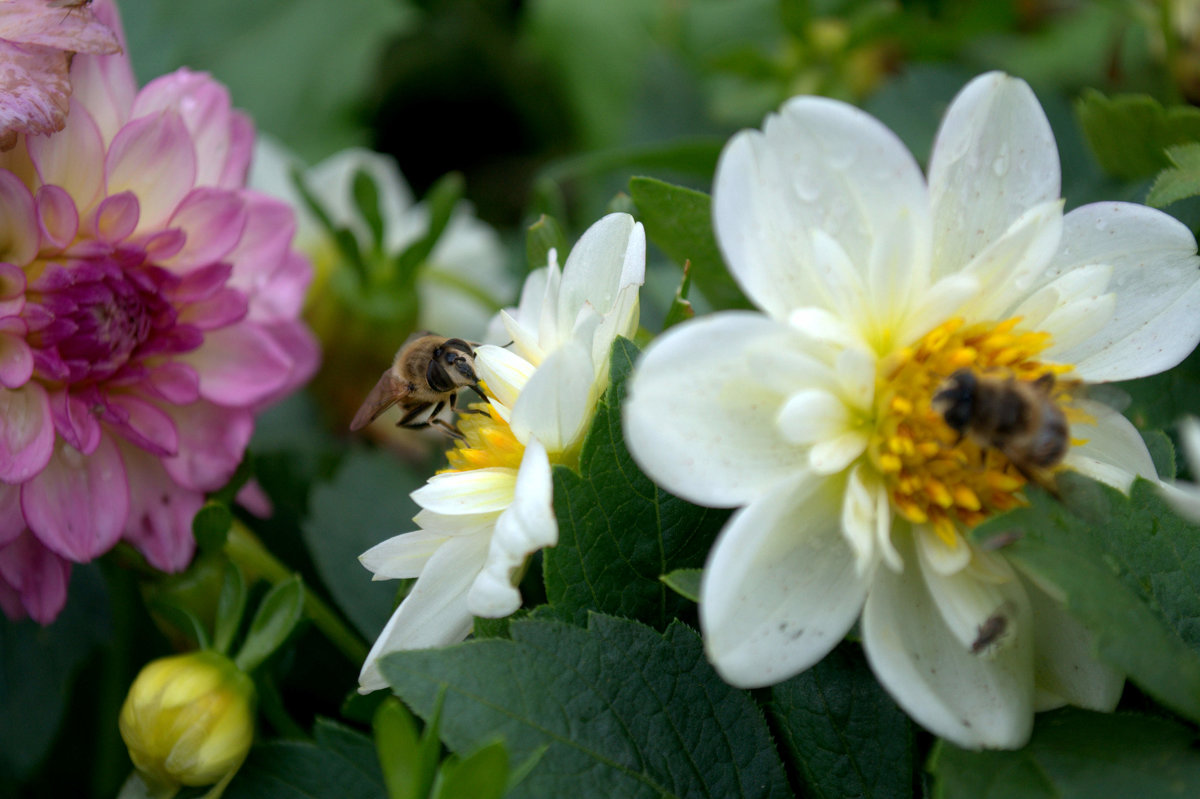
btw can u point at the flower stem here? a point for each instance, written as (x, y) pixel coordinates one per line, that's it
(248, 552)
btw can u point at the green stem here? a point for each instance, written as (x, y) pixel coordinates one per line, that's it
(248, 552)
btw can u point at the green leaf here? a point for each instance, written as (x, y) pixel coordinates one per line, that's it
(1075, 754)
(398, 746)
(1158, 401)
(339, 763)
(38, 665)
(542, 236)
(366, 502)
(622, 710)
(210, 526)
(1162, 453)
(366, 200)
(681, 310)
(172, 610)
(231, 606)
(842, 731)
(1129, 134)
(1126, 568)
(685, 582)
(483, 774)
(617, 530)
(679, 220)
(1180, 181)
(441, 199)
(278, 614)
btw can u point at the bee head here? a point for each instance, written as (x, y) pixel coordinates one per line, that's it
(452, 366)
(955, 399)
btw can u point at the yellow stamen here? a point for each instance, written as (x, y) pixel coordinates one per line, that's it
(488, 442)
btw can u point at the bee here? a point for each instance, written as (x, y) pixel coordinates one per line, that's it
(424, 379)
(1017, 417)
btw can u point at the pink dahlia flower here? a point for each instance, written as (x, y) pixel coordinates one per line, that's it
(148, 308)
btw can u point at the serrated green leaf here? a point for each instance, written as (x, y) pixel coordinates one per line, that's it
(1181, 180)
(842, 731)
(1158, 401)
(679, 221)
(617, 530)
(277, 615)
(210, 526)
(1162, 453)
(398, 747)
(1112, 559)
(1129, 134)
(340, 763)
(1075, 754)
(542, 236)
(623, 711)
(231, 606)
(483, 774)
(685, 582)
(366, 502)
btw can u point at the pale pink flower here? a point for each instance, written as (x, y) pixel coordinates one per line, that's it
(148, 308)
(37, 40)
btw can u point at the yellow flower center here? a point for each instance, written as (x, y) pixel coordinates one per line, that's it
(488, 441)
(933, 474)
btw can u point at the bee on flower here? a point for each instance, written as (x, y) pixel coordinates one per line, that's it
(833, 417)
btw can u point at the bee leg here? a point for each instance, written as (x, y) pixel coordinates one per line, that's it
(447, 428)
(1046, 481)
(407, 419)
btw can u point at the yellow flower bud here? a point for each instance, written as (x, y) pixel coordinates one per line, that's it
(188, 719)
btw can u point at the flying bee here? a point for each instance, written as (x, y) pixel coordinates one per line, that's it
(423, 379)
(1017, 417)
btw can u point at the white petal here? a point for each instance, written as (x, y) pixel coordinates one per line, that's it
(824, 327)
(332, 181)
(835, 454)
(939, 556)
(1063, 663)
(994, 158)
(435, 611)
(972, 701)
(1010, 265)
(504, 372)
(524, 342)
(527, 526)
(818, 164)
(699, 418)
(863, 510)
(1156, 279)
(402, 556)
(780, 589)
(941, 301)
(966, 603)
(556, 404)
(1184, 498)
(1072, 308)
(472, 491)
(812, 415)
(1114, 452)
(610, 255)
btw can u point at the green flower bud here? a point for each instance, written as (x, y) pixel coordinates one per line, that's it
(188, 719)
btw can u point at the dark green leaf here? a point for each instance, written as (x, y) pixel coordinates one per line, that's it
(231, 605)
(1159, 401)
(1179, 182)
(681, 310)
(366, 200)
(624, 711)
(483, 774)
(1127, 568)
(618, 531)
(340, 763)
(542, 236)
(441, 199)
(1129, 134)
(842, 731)
(679, 220)
(37, 665)
(1075, 754)
(210, 526)
(277, 615)
(366, 502)
(182, 618)
(1162, 452)
(697, 156)
(397, 744)
(685, 582)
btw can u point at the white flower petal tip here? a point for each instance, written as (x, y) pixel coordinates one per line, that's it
(1185, 497)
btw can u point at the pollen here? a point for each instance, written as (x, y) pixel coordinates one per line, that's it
(488, 441)
(934, 475)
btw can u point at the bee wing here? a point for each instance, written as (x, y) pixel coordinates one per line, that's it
(386, 393)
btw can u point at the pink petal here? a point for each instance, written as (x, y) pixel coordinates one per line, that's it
(240, 365)
(163, 245)
(142, 424)
(75, 422)
(116, 218)
(212, 441)
(176, 383)
(213, 220)
(78, 505)
(241, 150)
(265, 242)
(12, 290)
(33, 90)
(57, 216)
(224, 308)
(304, 352)
(37, 576)
(105, 84)
(12, 523)
(75, 30)
(73, 159)
(204, 105)
(160, 513)
(16, 360)
(252, 497)
(18, 221)
(153, 157)
(26, 432)
(283, 295)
